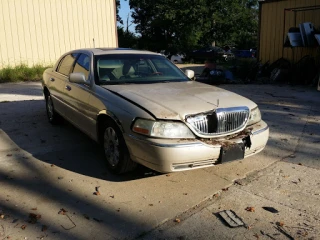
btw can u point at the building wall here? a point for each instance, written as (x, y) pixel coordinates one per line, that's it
(39, 31)
(274, 27)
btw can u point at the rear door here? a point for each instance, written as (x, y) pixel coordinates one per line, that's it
(58, 82)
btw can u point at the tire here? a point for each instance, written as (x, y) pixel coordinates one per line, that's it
(53, 116)
(115, 149)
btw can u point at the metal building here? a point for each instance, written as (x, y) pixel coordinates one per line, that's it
(39, 31)
(276, 18)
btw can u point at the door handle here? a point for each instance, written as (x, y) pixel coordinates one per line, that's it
(68, 87)
(52, 79)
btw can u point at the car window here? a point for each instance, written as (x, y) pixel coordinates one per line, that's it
(66, 64)
(163, 67)
(82, 65)
(135, 68)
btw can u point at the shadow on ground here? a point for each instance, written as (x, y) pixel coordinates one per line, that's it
(59, 167)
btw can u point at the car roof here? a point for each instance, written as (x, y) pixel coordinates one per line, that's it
(103, 51)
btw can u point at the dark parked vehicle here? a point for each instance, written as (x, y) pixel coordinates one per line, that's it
(244, 53)
(212, 53)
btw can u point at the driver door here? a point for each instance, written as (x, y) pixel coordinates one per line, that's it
(77, 95)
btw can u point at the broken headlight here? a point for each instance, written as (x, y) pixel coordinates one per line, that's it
(162, 129)
(255, 116)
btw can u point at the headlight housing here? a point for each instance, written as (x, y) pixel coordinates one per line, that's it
(255, 116)
(162, 129)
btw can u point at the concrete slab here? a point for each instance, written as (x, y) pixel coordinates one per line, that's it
(52, 167)
(297, 205)
(20, 91)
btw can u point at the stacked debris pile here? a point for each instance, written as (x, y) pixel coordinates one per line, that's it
(304, 72)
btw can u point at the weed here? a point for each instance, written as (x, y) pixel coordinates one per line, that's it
(21, 72)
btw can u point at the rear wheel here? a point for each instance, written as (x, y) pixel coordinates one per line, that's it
(53, 116)
(115, 149)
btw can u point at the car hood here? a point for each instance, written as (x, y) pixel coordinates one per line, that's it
(176, 100)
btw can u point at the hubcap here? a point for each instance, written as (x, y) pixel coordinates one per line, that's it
(111, 146)
(50, 108)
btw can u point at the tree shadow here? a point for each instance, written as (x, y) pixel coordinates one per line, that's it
(19, 88)
(62, 145)
(37, 148)
(31, 151)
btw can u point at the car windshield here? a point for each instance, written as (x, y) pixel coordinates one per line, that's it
(136, 68)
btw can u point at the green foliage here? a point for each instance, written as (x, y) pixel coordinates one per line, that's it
(127, 39)
(117, 8)
(21, 73)
(181, 25)
(237, 23)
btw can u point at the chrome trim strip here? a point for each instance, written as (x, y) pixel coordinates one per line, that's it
(260, 130)
(180, 145)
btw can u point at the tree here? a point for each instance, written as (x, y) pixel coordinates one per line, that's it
(119, 20)
(236, 23)
(165, 24)
(127, 39)
(182, 25)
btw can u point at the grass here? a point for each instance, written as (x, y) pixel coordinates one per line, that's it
(21, 72)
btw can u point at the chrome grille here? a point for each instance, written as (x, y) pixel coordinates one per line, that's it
(221, 121)
(199, 122)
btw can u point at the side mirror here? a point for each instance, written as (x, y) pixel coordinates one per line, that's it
(77, 78)
(189, 74)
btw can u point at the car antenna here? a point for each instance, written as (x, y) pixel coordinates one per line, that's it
(93, 42)
(217, 102)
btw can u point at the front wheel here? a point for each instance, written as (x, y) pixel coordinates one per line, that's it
(115, 150)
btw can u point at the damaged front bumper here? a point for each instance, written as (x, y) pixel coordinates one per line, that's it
(171, 155)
